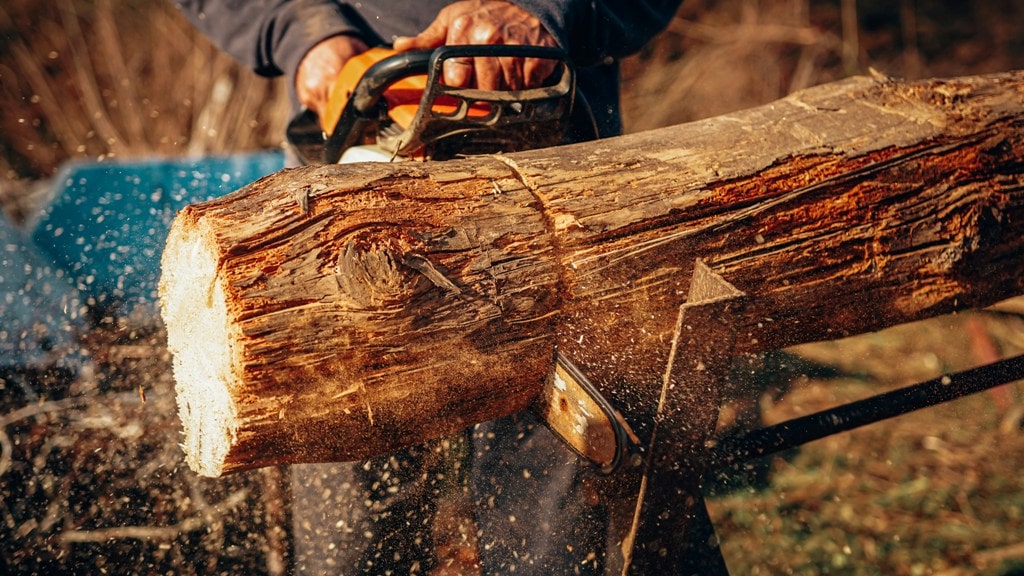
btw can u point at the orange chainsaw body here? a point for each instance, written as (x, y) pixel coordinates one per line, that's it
(402, 98)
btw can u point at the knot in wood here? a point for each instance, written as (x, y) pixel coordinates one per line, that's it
(371, 271)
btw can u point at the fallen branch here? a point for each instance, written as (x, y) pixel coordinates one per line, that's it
(163, 533)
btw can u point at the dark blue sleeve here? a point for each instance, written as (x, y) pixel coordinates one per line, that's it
(271, 36)
(268, 36)
(598, 31)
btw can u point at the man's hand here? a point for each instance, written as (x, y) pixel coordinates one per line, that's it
(321, 66)
(486, 22)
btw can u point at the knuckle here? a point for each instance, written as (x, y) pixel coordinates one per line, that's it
(459, 25)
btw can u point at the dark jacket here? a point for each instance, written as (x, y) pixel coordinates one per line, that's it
(272, 36)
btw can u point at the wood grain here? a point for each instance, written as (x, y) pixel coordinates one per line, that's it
(371, 307)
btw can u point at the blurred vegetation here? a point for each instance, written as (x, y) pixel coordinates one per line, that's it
(935, 491)
(117, 78)
(718, 56)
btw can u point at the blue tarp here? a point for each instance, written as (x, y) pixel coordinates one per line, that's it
(39, 310)
(108, 222)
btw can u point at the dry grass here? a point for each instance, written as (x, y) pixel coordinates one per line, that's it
(932, 492)
(121, 78)
(725, 55)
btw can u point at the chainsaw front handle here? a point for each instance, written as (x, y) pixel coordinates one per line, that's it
(514, 119)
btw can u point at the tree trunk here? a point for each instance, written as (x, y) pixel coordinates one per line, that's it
(337, 312)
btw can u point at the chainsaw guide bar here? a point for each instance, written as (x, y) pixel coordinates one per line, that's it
(576, 412)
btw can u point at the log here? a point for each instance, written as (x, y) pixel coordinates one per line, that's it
(336, 312)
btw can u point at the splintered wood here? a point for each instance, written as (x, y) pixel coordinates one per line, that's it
(363, 315)
(338, 312)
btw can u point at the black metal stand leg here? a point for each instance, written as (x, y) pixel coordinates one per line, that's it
(703, 555)
(674, 534)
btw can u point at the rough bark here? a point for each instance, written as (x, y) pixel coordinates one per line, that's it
(335, 312)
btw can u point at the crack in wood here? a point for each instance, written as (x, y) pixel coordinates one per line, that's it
(518, 174)
(549, 220)
(302, 199)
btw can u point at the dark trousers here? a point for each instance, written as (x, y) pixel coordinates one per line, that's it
(507, 494)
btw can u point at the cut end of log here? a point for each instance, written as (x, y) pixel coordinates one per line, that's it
(192, 303)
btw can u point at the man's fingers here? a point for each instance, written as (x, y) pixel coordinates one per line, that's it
(407, 43)
(537, 70)
(420, 42)
(484, 22)
(458, 72)
(504, 73)
(488, 74)
(512, 73)
(440, 32)
(432, 37)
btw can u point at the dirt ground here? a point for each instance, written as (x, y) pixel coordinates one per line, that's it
(93, 478)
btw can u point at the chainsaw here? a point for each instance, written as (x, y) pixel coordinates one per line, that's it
(387, 106)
